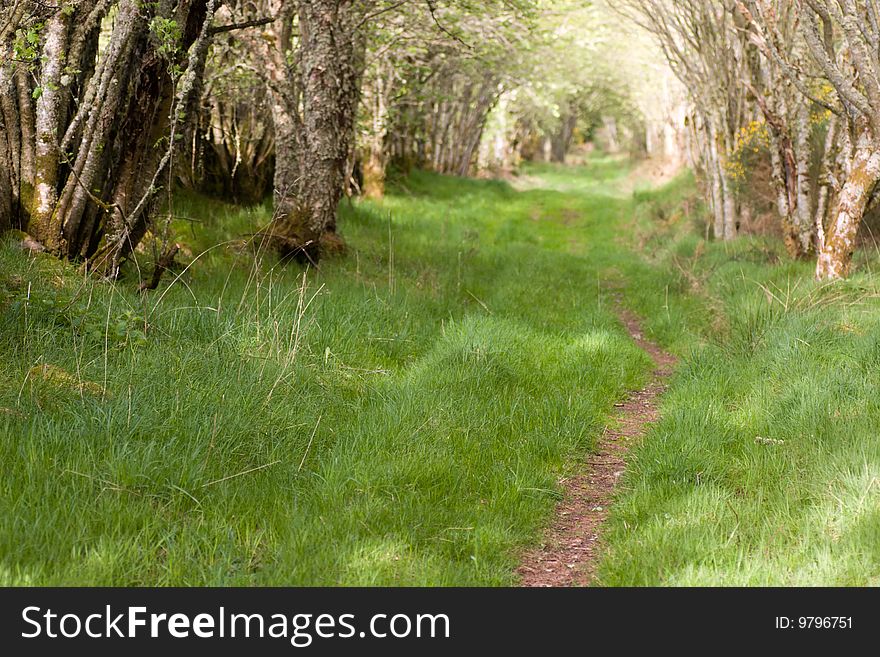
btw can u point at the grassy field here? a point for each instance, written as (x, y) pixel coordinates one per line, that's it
(403, 415)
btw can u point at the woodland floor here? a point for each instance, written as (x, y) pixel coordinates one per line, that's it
(421, 411)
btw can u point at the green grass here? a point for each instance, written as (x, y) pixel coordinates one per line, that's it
(403, 415)
(765, 469)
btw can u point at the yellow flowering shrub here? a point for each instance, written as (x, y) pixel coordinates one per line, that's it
(751, 140)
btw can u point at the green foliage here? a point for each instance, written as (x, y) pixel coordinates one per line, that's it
(26, 45)
(580, 59)
(403, 415)
(167, 35)
(51, 300)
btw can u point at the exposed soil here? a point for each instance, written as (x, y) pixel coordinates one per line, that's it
(570, 552)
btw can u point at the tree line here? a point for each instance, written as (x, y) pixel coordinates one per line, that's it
(803, 76)
(104, 103)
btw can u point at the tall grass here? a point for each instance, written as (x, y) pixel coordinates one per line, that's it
(403, 415)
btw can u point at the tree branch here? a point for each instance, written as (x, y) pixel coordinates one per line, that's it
(257, 22)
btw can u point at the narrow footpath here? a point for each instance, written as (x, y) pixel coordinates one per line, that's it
(570, 552)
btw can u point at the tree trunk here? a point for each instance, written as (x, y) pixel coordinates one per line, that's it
(331, 64)
(835, 255)
(474, 123)
(25, 92)
(373, 170)
(45, 223)
(611, 134)
(6, 209)
(287, 130)
(790, 166)
(156, 118)
(377, 94)
(9, 151)
(84, 150)
(561, 139)
(731, 216)
(805, 225)
(830, 153)
(716, 176)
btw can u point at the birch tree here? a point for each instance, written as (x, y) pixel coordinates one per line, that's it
(707, 52)
(840, 43)
(842, 36)
(782, 67)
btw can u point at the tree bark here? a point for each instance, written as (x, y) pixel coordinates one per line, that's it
(45, 223)
(731, 216)
(331, 63)
(716, 175)
(830, 153)
(9, 151)
(835, 255)
(377, 90)
(790, 152)
(805, 225)
(373, 162)
(562, 138)
(84, 154)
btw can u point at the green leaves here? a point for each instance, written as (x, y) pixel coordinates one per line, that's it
(167, 34)
(26, 46)
(94, 323)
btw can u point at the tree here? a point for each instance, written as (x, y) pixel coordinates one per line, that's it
(578, 69)
(836, 44)
(231, 144)
(343, 75)
(842, 37)
(457, 60)
(89, 128)
(707, 51)
(788, 114)
(380, 81)
(312, 60)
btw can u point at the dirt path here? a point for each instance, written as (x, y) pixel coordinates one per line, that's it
(569, 553)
